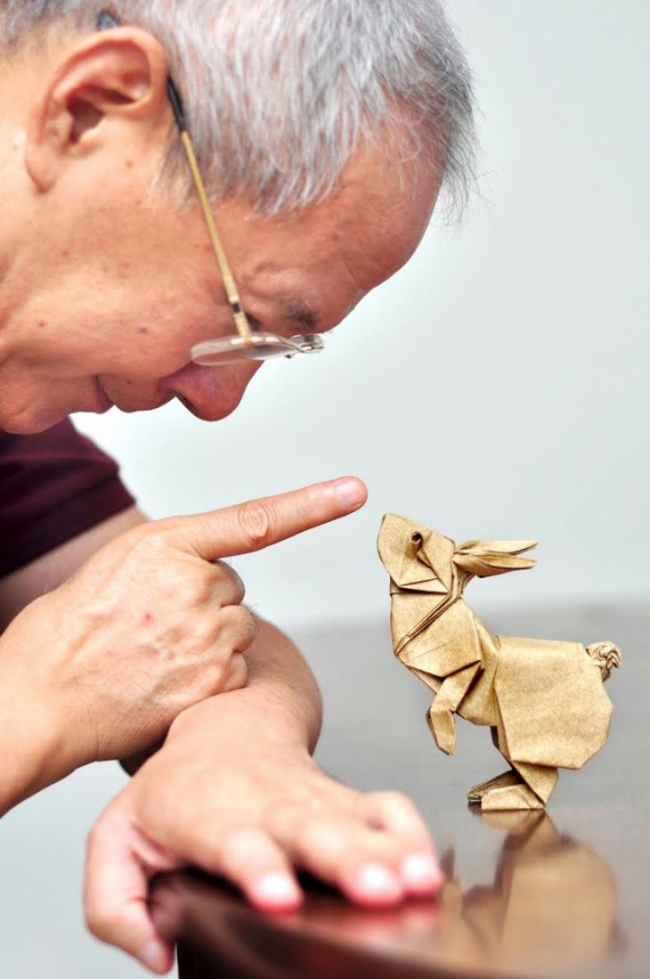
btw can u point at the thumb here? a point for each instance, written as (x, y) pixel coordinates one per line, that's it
(116, 893)
(260, 523)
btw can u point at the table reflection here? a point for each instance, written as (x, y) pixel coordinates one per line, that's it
(550, 907)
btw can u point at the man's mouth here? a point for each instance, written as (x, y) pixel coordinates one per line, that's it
(103, 401)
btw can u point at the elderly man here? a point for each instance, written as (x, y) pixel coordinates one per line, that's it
(318, 134)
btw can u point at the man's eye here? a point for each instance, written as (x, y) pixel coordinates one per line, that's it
(254, 322)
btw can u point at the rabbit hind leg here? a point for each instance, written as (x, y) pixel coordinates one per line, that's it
(507, 780)
(519, 796)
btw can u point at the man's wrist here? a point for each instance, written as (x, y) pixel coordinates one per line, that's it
(33, 754)
(281, 701)
(243, 717)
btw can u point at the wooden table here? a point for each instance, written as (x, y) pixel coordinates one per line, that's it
(529, 895)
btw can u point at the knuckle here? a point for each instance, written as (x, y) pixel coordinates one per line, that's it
(228, 579)
(239, 846)
(98, 838)
(101, 921)
(255, 524)
(206, 644)
(153, 548)
(395, 802)
(248, 626)
(284, 817)
(237, 677)
(158, 534)
(222, 849)
(163, 536)
(212, 851)
(193, 588)
(223, 678)
(318, 836)
(243, 626)
(95, 835)
(199, 645)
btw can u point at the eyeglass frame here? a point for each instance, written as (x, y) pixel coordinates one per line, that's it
(247, 339)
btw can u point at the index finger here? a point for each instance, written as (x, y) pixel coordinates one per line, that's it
(260, 523)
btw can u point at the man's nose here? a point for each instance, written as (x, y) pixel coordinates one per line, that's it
(211, 393)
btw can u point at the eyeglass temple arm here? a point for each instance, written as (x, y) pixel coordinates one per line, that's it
(241, 320)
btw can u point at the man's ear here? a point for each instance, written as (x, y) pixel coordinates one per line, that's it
(119, 75)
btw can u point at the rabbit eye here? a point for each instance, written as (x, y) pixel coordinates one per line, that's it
(416, 544)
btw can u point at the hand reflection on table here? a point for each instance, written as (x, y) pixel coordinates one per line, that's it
(552, 906)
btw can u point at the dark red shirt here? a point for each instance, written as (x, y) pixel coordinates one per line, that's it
(53, 487)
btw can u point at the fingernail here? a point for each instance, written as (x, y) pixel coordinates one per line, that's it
(377, 879)
(154, 956)
(421, 872)
(277, 888)
(350, 492)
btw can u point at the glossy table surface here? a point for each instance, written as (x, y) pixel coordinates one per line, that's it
(566, 893)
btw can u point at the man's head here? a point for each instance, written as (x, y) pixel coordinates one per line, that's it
(324, 128)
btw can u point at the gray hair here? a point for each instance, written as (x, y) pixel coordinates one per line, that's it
(280, 92)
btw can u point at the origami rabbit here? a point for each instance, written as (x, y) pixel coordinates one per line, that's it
(543, 700)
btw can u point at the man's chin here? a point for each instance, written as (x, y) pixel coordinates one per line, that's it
(32, 425)
(38, 418)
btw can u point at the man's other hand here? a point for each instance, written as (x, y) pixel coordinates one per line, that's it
(231, 794)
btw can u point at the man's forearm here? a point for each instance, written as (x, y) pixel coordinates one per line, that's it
(282, 697)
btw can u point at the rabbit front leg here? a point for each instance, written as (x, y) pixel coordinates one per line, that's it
(450, 696)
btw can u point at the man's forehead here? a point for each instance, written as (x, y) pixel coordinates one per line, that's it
(337, 250)
(344, 248)
(375, 241)
(380, 213)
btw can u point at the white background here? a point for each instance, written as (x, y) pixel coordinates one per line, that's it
(495, 387)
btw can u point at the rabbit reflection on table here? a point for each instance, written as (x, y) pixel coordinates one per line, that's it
(551, 906)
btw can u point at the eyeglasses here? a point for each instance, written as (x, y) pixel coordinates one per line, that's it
(247, 344)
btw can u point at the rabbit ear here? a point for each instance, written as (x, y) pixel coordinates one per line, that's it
(491, 557)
